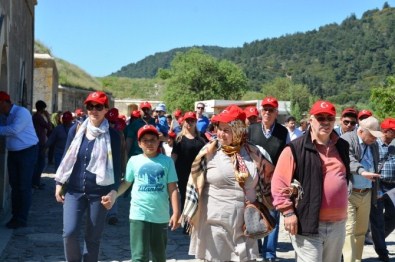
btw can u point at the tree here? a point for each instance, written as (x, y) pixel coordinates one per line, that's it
(285, 89)
(195, 76)
(383, 98)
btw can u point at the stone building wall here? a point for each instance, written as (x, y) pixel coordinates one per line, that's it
(46, 81)
(16, 71)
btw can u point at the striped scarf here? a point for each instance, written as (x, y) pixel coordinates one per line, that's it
(191, 211)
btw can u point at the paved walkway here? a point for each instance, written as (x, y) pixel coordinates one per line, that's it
(42, 239)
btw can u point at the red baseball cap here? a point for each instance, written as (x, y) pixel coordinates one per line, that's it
(4, 96)
(172, 134)
(178, 113)
(270, 101)
(251, 111)
(120, 124)
(145, 129)
(364, 113)
(79, 112)
(136, 114)
(189, 115)
(145, 105)
(97, 97)
(388, 123)
(67, 117)
(323, 107)
(123, 117)
(112, 115)
(350, 111)
(230, 114)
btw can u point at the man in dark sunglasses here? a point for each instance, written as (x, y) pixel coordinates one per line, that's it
(315, 169)
(202, 121)
(348, 121)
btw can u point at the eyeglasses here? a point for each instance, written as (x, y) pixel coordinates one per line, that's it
(98, 107)
(200, 107)
(325, 118)
(268, 109)
(348, 122)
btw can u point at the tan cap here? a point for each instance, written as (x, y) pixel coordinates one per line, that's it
(372, 125)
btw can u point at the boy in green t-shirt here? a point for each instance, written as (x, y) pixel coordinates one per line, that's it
(154, 181)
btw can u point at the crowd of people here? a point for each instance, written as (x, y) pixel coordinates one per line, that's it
(333, 184)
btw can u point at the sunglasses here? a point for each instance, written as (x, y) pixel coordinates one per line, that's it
(325, 118)
(190, 120)
(98, 107)
(200, 107)
(348, 122)
(268, 109)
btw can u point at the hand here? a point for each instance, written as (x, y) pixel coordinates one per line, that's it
(108, 200)
(58, 194)
(173, 223)
(371, 176)
(291, 224)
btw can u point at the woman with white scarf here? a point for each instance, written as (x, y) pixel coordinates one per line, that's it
(91, 168)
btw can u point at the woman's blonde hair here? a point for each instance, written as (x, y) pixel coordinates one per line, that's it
(184, 131)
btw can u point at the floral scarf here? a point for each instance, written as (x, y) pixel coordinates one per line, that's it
(191, 211)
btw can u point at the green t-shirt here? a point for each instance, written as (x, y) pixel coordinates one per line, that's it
(150, 198)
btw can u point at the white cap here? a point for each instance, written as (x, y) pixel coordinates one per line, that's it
(161, 107)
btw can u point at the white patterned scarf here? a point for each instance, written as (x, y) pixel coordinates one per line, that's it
(101, 162)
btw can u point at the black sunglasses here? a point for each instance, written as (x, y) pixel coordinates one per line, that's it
(190, 120)
(98, 107)
(200, 107)
(325, 118)
(348, 122)
(269, 109)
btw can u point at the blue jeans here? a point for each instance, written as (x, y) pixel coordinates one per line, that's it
(382, 224)
(74, 207)
(20, 166)
(269, 245)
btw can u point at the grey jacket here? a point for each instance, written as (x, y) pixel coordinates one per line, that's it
(355, 153)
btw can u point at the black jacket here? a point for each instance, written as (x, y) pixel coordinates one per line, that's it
(308, 164)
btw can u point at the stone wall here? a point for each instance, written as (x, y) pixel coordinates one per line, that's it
(16, 71)
(46, 81)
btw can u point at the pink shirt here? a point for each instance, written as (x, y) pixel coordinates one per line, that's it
(335, 194)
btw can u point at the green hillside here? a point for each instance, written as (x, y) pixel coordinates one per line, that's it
(69, 74)
(338, 61)
(148, 67)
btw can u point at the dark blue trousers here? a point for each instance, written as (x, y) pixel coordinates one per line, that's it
(382, 220)
(20, 166)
